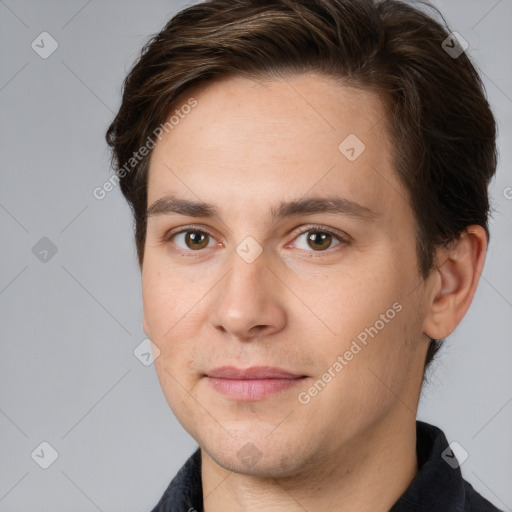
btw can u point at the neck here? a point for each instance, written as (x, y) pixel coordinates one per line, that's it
(367, 476)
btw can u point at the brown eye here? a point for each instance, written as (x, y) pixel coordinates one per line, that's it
(192, 240)
(319, 240)
(196, 239)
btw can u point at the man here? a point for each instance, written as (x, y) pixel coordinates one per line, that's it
(309, 187)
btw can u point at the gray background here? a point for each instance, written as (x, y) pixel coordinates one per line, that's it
(68, 374)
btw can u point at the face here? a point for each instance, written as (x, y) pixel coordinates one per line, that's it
(280, 280)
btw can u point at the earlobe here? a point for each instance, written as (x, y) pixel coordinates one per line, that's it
(455, 283)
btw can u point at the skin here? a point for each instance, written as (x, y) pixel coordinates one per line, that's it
(245, 147)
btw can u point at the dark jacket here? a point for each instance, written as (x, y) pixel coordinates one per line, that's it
(437, 487)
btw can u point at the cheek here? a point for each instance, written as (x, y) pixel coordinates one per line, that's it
(369, 320)
(370, 376)
(167, 297)
(177, 392)
(347, 302)
(389, 347)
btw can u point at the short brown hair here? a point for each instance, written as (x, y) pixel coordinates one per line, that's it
(443, 130)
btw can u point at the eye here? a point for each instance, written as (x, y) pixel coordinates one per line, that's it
(317, 238)
(192, 239)
(312, 239)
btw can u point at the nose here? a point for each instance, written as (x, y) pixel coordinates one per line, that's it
(250, 300)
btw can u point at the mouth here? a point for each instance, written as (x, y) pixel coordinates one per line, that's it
(251, 384)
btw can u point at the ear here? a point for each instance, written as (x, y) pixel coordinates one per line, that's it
(454, 284)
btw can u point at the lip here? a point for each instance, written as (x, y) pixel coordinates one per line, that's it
(251, 384)
(254, 372)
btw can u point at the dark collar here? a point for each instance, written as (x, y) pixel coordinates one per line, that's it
(437, 487)
(185, 492)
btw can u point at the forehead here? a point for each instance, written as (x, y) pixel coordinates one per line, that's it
(258, 141)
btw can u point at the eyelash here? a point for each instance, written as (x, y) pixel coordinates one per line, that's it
(310, 228)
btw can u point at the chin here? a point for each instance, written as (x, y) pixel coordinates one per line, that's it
(264, 456)
(274, 465)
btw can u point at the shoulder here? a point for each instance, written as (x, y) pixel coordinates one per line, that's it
(184, 493)
(475, 502)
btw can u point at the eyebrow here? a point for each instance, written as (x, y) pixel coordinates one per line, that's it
(168, 205)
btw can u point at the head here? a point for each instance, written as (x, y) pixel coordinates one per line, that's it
(245, 110)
